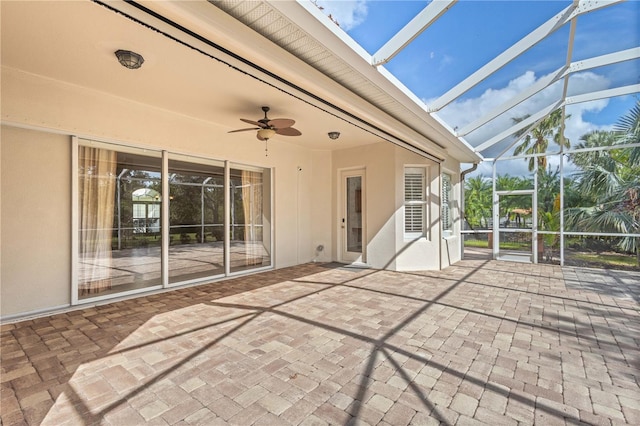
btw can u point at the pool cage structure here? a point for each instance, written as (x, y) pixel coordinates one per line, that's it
(549, 197)
(583, 211)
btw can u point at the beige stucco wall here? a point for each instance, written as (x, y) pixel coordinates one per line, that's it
(387, 247)
(377, 160)
(36, 220)
(422, 253)
(451, 245)
(36, 253)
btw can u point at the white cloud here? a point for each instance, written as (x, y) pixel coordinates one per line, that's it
(462, 112)
(348, 14)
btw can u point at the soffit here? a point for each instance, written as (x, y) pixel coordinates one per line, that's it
(294, 28)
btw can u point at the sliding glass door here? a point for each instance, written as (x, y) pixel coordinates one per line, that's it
(218, 219)
(119, 238)
(250, 224)
(196, 220)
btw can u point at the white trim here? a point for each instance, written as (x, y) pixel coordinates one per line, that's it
(37, 313)
(75, 220)
(165, 223)
(227, 219)
(343, 174)
(600, 234)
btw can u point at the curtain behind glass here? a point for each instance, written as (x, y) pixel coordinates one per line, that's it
(252, 207)
(97, 185)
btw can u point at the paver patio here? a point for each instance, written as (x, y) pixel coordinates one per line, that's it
(480, 342)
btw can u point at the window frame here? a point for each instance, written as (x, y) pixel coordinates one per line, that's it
(422, 202)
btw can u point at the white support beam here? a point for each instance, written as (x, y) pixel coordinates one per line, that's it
(531, 39)
(603, 94)
(538, 86)
(604, 60)
(531, 120)
(409, 32)
(548, 80)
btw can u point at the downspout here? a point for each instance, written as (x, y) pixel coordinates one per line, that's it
(462, 206)
(466, 172)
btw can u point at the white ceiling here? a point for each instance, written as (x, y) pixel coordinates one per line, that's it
(75, 41)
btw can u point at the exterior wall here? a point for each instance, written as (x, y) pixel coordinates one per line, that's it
(36, 221)
(422, 253)
(387, 247)
(36, 175)
(452, 245)
(377, 159)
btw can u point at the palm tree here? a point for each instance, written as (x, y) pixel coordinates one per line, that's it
(593, 139)
(477, 202)
(536, 140)
(610, 179)
(629, 130)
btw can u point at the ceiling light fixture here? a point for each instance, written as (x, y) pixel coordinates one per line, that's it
(266, 133)
(333, 135)
(129, 59)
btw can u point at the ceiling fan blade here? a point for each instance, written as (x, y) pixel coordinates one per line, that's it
(288, 131)
(243, 130)
(279, 123)
(255, 123)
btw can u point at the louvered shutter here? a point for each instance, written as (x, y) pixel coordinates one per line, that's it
(414, 196)
(446, 202)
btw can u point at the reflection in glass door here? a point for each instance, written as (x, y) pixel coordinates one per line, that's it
(352, 219)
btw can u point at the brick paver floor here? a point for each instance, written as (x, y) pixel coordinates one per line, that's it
(482, 342)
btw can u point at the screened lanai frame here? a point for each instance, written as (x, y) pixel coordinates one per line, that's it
(498, 147)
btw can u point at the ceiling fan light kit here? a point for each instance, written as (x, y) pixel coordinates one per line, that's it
(264, 134)
(267, 128)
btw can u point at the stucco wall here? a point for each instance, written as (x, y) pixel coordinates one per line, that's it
(36, 220)
(422, 253)
(387, 247)
(36, 250)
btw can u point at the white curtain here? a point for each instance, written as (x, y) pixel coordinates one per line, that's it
(252, 206)
(97, 187)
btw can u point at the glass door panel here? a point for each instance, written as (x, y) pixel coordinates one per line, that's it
(515, 226)
(119, 241)
(353, 232)
(196, 220)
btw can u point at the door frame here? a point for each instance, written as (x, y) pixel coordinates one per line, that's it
(534, 222)
(343, 255)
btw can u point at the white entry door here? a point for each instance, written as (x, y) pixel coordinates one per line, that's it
(352, 216)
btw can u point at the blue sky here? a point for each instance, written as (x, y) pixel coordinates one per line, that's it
(471, 33)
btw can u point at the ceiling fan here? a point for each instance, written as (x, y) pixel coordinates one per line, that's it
(267, 128)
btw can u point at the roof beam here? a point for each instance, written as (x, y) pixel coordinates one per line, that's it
(533, 119)
(603, 94)
(531, 39)
(413, 29)
(548, 80)
(529, 121)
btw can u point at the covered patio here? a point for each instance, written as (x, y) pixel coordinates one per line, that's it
(483, 341)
